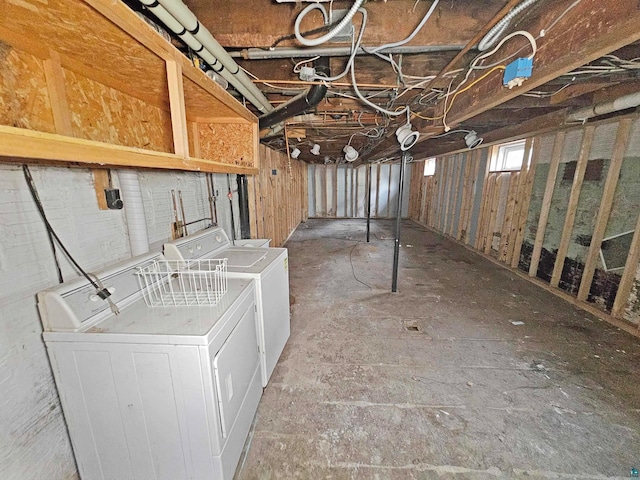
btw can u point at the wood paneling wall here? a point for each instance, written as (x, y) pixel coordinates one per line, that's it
(277, 196)
(548, 221)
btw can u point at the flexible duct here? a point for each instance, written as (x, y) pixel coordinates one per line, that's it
(492, 36)
(302, 102)
(332, 33)
(134, 211)
(180, 20)
(621, 103)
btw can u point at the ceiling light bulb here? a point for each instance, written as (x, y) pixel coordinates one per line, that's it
(327, 159)
(295, 153)
(472, 140)
(350, 153)
(406, 137)
(316, 149)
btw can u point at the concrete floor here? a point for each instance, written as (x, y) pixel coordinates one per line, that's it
(435, 381)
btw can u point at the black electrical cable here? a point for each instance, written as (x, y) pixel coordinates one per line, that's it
(353, 270)
(55, 257)
(101, 292)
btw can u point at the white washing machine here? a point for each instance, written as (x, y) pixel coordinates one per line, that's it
(153, 392)
(269, 267)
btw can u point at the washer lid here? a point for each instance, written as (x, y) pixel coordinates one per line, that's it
(242, 258)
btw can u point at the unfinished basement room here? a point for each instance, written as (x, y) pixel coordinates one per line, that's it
(328, 239)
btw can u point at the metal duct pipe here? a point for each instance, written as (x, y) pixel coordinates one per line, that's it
(293, 52)
(621, 103)
(302, 102)
(181, 21)
(134, 211)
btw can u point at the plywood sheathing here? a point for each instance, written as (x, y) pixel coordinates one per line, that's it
(229, 143)
(101, 113)
(24, 98)
(73, 29)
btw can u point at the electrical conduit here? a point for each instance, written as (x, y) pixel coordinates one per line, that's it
(134, 211)
(332, 33)
(492, 36)
(181, 21)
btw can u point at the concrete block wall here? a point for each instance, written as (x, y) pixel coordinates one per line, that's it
(34, 443)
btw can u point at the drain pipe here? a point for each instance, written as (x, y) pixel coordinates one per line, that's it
(302, 102)
(621, 103)
(177, 17)
(134, 211)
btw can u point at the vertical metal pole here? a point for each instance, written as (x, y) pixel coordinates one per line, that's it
(369, 202)
(396, 251)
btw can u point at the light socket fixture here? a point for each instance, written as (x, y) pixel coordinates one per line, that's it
(407, 138)
(295, 153)
(315, 150)
(350, 153)
(472, 140)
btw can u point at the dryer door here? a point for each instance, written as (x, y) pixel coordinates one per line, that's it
(235, 366)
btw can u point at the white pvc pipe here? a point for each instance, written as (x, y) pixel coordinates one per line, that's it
(134, 211)
(621, 103)
(181, 21)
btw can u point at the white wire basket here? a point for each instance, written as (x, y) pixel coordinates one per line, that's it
(170, 283)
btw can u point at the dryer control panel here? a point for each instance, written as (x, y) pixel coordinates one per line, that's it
(202, 244)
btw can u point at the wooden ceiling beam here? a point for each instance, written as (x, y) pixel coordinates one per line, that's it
(260, 23)
(575, 40)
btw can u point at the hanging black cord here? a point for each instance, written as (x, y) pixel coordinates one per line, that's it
(101, 292)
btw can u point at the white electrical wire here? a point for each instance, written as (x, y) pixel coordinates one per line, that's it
(295, 67)
(543, 32)
(354, 49)
(329, 35)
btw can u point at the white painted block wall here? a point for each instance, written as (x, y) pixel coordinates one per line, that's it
(34, 444)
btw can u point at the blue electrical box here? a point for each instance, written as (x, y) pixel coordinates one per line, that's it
(517, 72)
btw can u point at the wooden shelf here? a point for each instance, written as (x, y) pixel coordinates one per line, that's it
(89, 82)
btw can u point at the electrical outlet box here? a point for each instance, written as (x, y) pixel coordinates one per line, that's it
(517, 72)
(114, 202)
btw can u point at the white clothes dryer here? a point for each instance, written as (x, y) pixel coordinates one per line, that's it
(153, 392)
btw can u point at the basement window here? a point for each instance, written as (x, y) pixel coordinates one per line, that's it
(508, 157)
(429, 167)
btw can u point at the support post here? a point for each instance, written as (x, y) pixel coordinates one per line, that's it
(396, 251)
(368, 201)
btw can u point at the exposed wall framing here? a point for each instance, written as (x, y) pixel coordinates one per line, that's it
(549, 219)
(340, 191)
(277, 197)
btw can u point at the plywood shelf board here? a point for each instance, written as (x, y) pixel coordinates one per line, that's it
(17, 144)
